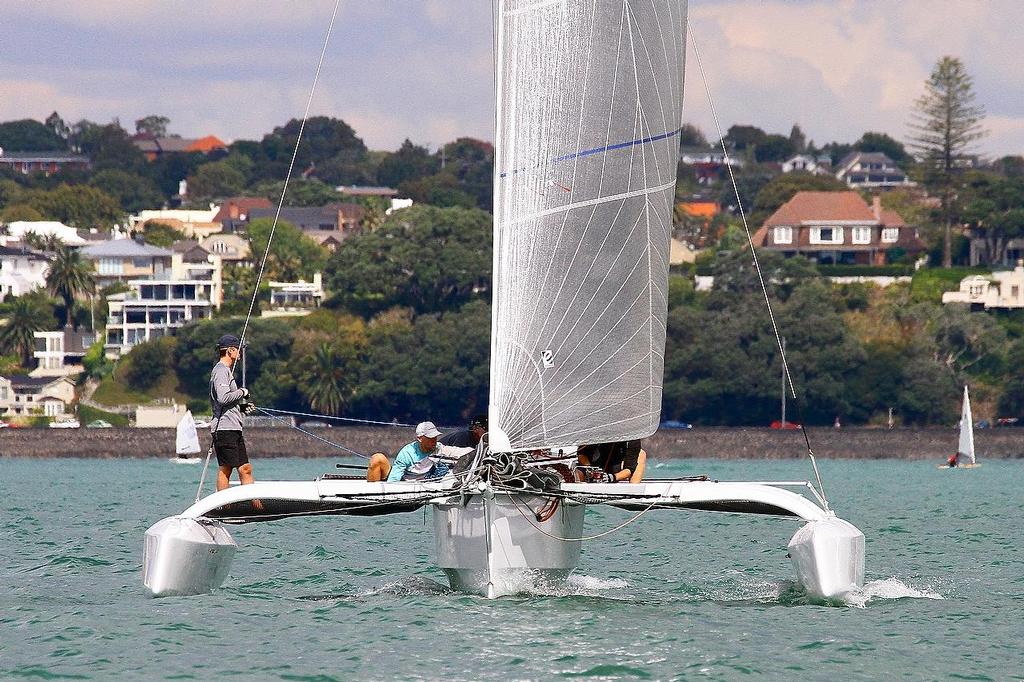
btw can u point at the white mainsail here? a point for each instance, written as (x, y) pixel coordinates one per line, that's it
(965, 449)
(589, 106)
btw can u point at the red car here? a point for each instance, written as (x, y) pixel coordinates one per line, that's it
(784, 426)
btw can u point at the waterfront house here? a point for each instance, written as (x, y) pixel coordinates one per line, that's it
(155, 147)
(871, 170)
(231, 248)
(60, 353)
(1003, 289)
(18, 230)
(46, 163)
(337, 217)
(192, 223)
(21, 270)
(815, 165)
(837, 227)
(295, 298)
(234, 211)
(42, 395)
(153, 308)
(119, 260)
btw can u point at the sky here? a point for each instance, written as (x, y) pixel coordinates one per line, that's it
(422, 69)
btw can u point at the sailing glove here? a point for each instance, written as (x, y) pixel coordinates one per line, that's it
(247, 407)
(245, 393)
(609, 478)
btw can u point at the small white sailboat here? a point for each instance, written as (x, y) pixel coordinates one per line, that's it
(186, 441)
(964, 457)
(589, 110)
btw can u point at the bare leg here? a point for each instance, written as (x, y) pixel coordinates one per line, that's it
(378, 468)
(584, 461)
(641, 464)
(245, 474)
(223, 477)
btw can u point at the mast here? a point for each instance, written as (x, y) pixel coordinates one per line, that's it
(783, 384)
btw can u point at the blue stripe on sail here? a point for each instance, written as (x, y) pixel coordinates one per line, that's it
(601, 150)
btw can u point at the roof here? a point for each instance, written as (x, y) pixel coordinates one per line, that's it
(59, 157)
(25, 381)
(23, 252)
(179, 144)
(237, 206)
(810, 206)
(124, 248)
(366, 191)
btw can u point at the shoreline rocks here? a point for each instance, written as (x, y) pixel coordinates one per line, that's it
(935, 443)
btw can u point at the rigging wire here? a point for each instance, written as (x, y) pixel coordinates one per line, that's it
(314, 436)
(288, 176)
(757, 264)
(344, 419)
(619, 527)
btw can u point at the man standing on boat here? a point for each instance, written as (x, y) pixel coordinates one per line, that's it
(228, 400)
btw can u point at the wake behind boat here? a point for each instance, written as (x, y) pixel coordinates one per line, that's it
(588, 111)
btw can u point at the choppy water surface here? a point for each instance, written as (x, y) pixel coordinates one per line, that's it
(676, 595)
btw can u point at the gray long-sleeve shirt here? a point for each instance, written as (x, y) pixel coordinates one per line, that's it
(225, 395)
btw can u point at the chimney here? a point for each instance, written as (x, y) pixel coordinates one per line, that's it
(876, 206)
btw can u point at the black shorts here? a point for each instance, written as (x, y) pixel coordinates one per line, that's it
(628, 453)
(230, 449)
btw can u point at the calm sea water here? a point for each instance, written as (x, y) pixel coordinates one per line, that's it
(676, 595)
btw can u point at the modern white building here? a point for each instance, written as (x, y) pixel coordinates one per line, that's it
(1001, 289)
(154, 308)
(60, 353)
(21, 271)
(295, 298)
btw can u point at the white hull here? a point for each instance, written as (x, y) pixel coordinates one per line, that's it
(495, 546)
(185, 556)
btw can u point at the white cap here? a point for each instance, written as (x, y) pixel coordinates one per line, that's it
(427, 429)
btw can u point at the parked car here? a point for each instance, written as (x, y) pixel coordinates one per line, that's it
(99, 424)
(4, 425)
(315, 425)
(673, 424)
(1007, 421)
(67, 424)
(784, 426)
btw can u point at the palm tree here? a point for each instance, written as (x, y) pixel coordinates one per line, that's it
(26, 317)
(327, 385)
(69, 275)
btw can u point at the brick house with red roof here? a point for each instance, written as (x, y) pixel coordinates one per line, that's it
(837, 227)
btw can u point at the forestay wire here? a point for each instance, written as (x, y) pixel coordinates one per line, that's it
(757, 264)
(291, 166)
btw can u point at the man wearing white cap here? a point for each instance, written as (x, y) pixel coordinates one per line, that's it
(417, 460)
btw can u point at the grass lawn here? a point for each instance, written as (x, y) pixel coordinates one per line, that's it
(87, 414)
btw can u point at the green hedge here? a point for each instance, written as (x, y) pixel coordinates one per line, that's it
(930, 283)
(88, 414)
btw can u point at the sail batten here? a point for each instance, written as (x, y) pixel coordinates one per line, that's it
(589, 98)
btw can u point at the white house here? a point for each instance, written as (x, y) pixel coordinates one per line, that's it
(193, 223)
(17, 230)
(863, 170)
(295, 298)
(1002, 289)
(154, 308)
(21, 271)
(821, 165)
(61, 352)
(27, 395)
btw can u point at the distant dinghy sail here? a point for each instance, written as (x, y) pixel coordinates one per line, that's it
(589, 107)
(187, 440)
(965, 449)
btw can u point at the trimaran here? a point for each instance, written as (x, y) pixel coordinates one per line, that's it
(588, 115)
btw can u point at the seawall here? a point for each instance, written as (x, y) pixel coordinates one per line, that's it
(715, 442)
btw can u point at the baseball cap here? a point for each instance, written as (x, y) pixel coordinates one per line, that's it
(228, 341)
(479, 420)
(427, 429)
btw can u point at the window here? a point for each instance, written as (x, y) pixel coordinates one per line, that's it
(783, 235)
(862, 235)
(110, 266)
(219, 247)
(826, 235)
(890, 234)
(3, 393)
